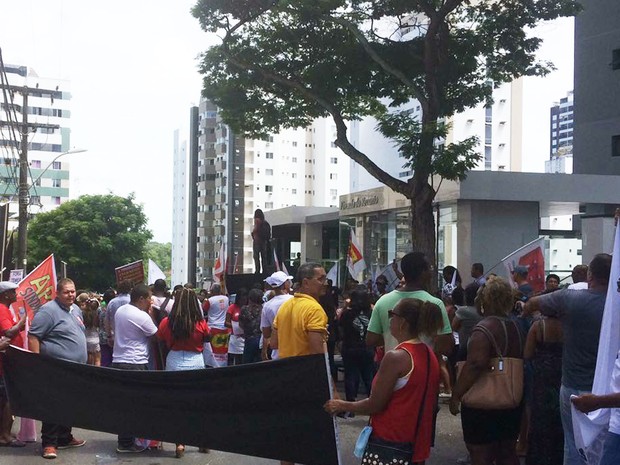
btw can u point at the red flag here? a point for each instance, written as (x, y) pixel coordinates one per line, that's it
(36, 289)
(220, 264)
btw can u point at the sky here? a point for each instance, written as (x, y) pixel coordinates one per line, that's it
(132, 67)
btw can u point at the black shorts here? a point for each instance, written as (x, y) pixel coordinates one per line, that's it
(489, 426)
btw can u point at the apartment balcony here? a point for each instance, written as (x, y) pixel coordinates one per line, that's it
(220, 182)
(206, 216)
(220, 165)
(207, 169)
(219, 230)
(207, 232)
(220, 199)
(220, 214)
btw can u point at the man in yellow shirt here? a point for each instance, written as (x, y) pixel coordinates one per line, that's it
(300, 327)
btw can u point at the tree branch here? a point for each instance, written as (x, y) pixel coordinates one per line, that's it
(419, 95)
(342, 140)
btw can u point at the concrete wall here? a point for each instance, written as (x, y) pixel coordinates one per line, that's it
(597, 87)
(490, 230)
(598, 237)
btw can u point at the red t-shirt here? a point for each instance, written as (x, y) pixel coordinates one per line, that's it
(193, 344)
(233, 311)
(7, 322)
(397, 423)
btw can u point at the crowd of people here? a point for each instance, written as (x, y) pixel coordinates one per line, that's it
(406, 347)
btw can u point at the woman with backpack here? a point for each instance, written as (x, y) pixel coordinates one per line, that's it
(358, 360)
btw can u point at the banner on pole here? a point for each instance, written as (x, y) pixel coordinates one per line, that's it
(16, 276)
(531, 256)
(133, 272)
(282, 419)
(36, 289)
(220, 265)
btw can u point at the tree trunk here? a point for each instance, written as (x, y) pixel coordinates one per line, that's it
(423, 222)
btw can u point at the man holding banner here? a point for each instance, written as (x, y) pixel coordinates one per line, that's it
(58, 331)
(581, 313)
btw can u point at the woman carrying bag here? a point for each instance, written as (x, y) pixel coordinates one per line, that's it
(489, 388)
(404, 391)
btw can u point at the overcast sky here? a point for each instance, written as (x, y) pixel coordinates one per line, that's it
(133, 74)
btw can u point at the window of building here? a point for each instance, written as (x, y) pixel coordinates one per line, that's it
(56, 183)
(268, 188)
(35, 163)
(269, 172)
(294, 175)
(333, 192)
(35, 200)
(294, 143)
(333, 176)
(269, 155)
(56, 200)
(615, 59)
(269, 205)
(293, 191)
(333, 144)
(333, 160)
(56, 165)
(37, 182)
(294, 159)
(615, 146)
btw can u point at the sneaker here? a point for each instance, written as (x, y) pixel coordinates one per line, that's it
(73, 443)
(49, 453)
(133, 449)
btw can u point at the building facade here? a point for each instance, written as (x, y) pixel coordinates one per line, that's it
(597, 88)
(180, 204)
(48, 113)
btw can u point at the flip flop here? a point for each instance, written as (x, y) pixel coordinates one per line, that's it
(13, 443)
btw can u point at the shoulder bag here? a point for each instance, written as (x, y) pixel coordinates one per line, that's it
(501, 385)
(381, 452)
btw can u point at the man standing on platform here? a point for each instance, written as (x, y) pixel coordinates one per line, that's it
(58, 331)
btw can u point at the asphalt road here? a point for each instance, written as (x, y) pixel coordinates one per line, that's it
(100, 449)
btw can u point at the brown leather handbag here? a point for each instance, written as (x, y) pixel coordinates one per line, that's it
(501, 386)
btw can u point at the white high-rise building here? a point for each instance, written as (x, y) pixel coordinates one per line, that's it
(180, 196)
(48, 114)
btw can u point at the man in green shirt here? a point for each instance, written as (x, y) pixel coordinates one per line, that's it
(417, 272)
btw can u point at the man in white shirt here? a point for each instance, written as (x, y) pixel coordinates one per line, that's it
(280, 283)
(134, 329)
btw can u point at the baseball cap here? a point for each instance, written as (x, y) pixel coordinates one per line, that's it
(278, 278)
(7, 286)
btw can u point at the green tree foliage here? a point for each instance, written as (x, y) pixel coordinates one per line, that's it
(161, 254)
(283, 63)
(93, 234)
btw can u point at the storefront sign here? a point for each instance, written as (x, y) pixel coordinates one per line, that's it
(359, 202)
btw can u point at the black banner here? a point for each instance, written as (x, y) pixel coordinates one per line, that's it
(270, 409)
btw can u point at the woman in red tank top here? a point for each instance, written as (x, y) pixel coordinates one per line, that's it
(404, 391)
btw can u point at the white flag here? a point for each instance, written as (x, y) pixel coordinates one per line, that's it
(355, 260)
(333, 274)
(589, 427)
(155, 272)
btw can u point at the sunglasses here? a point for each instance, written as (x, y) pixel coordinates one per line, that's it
(392, 313)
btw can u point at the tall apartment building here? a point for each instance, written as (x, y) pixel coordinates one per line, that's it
(236, 176)
(561, 124)
(180, 230)
(48, 114)
(561, 136)
(498, 127)
(597, 92)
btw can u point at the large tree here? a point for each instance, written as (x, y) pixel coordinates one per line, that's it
(93, 234)
(283, 63)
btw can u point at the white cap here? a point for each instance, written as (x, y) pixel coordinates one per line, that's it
(278, 278)
(7, 286)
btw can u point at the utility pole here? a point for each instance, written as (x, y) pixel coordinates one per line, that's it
(23, 187)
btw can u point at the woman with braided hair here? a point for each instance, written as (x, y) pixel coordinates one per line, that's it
(185, 331)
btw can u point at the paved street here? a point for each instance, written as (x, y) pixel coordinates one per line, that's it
(100, 449)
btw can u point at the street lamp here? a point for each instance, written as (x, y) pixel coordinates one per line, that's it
(23, 191)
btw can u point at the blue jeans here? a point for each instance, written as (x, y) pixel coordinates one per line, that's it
(571, 454)
(251, 350)
(611, 450)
